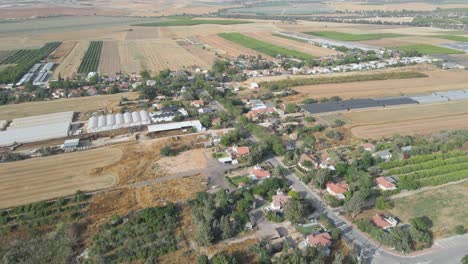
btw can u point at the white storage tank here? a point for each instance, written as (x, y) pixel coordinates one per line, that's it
(110, 122)
(102, 123)
(145, 118)
(128, 120)
(119, 120)
(136, 119)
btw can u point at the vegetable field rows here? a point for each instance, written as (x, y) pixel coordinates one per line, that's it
(90, 62)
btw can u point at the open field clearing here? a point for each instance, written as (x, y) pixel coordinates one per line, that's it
(352, 37)
(294, 45)
(264, 47)
(412, 127)
(109, 62)
(191, 22)
(445, 206)
(452, 37)
(416, 6)
(69, 65)
(206, 55)
(222, 46)
(437, 80)
(143, 33)
(404, 41)
(156, 55)
(412, 112)
(192, 160)
(39, 179)
(83, 104)
(429, 49)
(55, 10)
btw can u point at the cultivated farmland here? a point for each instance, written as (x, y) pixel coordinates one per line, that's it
(264, 47)
(222, 46)
(429, 49)
(90, 62)
(69, 65)
(40, 179)
(192, 22)
(352, 37)
(109, 62)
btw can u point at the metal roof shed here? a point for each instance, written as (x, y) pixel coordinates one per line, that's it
(71, 143)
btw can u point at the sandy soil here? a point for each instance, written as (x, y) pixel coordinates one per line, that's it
(109, 61)
(294, 45)
(438, 80)
(191, 160)
(82, 104)
(39, 179)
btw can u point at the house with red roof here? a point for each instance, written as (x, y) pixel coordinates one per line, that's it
(385, 183)
(337, 189)
(256, 113)
(257, 173)
(384, 222)
(240, 151)
(278, 200)
(321, 239)
(197, 103)
(368, 147)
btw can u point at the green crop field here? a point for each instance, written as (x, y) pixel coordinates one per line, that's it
(429, 49)
(90, 62)
(352, 37)
(264, 47)
(290, 38)
(452, 37)
(191, 22)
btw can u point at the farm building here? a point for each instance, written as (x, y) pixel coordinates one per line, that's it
(177, 125)
(3, 124)
(117, 121)
(429, 99)
(37, 128)
(71, 144)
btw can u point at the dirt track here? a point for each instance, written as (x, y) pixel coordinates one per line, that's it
(39, 179)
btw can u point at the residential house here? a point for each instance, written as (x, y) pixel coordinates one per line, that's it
(216, 121)
(256, 113)
(257, 173)
(384, 222)
(337, 189)
(383, 154)
(369, 147)
(240, 151)
(321, 239)
(407, 148)
(254, 85)
(205, 110)
(257, 104)
(386, 183)
(197, 103)
(307, 162)
(278, 200)
(326, 161)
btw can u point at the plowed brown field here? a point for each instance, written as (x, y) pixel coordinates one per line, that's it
(109, 61)
(70, 63)
(40, 179)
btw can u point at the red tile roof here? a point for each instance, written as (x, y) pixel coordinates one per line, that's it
(368, 146)
(323, 239)
(280, 199)
(380, 222)
(260, 173)
(243, 150)
(197, 102)
(338, 188)
(308, 157)
(254, 113)
(384, 182)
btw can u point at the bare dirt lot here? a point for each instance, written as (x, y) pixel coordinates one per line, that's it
(82, 104)
(39, 179)
(191, 160)
(437, 80)
(109, 61)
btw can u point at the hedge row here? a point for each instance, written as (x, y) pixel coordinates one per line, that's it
(428, 165)
(444, 178)
(420, 159)
(435, 171)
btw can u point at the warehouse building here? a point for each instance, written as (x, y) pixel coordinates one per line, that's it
(37, 128)
(176, 125)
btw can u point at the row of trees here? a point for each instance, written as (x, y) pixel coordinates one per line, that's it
(420, 159)
(90, 62)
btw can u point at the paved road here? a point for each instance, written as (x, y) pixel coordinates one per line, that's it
(444, 251)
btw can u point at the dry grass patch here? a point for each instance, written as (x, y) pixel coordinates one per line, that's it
(446, 207)
(69, 65)
(110, 58)
(40, 179)
(184, 162)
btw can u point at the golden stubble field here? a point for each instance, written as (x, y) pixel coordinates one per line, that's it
(45, 178)
(408, 120)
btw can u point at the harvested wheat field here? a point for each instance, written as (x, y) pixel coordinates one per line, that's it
(81, 104)
(109, 61)
(62, 51)
(392, 6)
(156, 55)
(137, 33)
(402, 41)
(437, 80)
(69, 65)
(40, 179)
(291, 44)
(222, 46)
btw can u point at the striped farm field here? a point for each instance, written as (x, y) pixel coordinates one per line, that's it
(39, 179)
(90, 62)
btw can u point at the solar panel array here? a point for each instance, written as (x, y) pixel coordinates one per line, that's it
(346, 105)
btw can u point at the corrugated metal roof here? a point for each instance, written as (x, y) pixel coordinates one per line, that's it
(41, 120)
(176, 125)
(35, 133)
